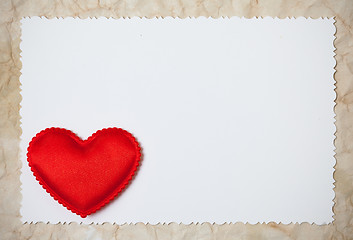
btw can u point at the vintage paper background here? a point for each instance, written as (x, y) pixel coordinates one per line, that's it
(12, 11)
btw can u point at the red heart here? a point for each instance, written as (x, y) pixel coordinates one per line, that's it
(83, 175)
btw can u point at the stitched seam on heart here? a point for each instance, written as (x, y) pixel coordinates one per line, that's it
(111, 196)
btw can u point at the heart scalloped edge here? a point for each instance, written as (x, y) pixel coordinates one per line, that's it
(114, 194)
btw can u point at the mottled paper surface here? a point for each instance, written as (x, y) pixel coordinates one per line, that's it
(12, 11)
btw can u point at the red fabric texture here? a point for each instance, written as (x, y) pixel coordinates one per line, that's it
(83, 175)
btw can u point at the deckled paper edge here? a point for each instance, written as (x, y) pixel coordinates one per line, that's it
(10, 66)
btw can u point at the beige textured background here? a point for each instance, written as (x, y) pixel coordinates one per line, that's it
(11, 11)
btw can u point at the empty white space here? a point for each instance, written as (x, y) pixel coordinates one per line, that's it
(235, 116)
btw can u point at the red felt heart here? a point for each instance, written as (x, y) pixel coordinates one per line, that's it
(83, 175)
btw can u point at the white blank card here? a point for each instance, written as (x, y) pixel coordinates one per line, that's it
(235, 116)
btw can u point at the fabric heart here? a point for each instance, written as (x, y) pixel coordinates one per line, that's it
(83, 175)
